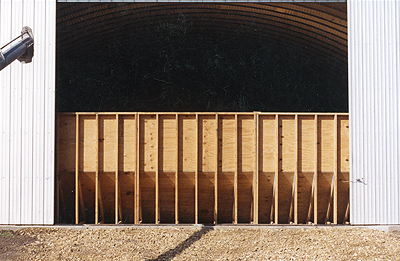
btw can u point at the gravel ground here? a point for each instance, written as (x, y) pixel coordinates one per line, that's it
(199, 243)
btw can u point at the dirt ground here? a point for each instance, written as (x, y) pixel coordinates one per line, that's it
(199, 243)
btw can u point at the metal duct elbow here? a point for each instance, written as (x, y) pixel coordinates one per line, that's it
(20, 48)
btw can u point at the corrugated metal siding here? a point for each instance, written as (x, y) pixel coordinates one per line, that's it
(27, 112)
(276, 1)
(374, 68)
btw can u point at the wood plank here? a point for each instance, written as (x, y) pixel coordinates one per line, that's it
(217, 167)
(335, 171)
(137, 172)
(157, 163)
(296, 173)
(277, 166)
(196, 174)
(235, 182)
(77, 156)
(177, 170)
(256, 172)
(96, 199)
(316, 168)
(117, 205)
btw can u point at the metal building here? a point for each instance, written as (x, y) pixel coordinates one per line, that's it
(27, 113)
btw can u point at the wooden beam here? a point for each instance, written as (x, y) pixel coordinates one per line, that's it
(177, 171)
(157, 196)
(196, 174)
(137, 156)
(77, 170)
(296, 171)
(235, 179)
(316, 170)
(216, 171)
(116, 168)
(335, 171)
(96, 197)
(256, 166)
(276, 180)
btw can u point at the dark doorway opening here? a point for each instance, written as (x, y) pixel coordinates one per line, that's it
(276, 57)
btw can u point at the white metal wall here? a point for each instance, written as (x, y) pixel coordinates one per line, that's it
(27, 111)
(374, 95)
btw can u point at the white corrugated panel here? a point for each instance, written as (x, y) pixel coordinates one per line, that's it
(27, 116)
(277, 1)
(374, 71)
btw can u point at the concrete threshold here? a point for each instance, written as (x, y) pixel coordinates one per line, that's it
(386, 228)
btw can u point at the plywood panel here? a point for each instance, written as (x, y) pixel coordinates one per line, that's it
(187, 143)
(107, 142)
(267, 143)
(87, 181)
(227, 140)
(88, 143)
(66, 196)
(306, 143)
(186, 197)
(285, 196)
(127, 143)
(126, 196)
(167, 141)
(167, 197)
(326, 143)
(265, 196)
(343, 139)
(107, 197)
(147, 183)
(246, 142)
(287, 140)
(325, 197)
(245, 197)
(66, 142)
(225, 197)
(206, 197)
(148, 142)
(343, 196)
(305, 200)
(207, 144)
(160, 145)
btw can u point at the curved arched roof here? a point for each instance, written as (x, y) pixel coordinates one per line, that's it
(319, 28)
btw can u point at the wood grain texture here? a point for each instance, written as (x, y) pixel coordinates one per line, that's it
(203, 168)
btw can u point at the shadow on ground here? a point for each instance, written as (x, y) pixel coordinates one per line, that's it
(170, 254)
